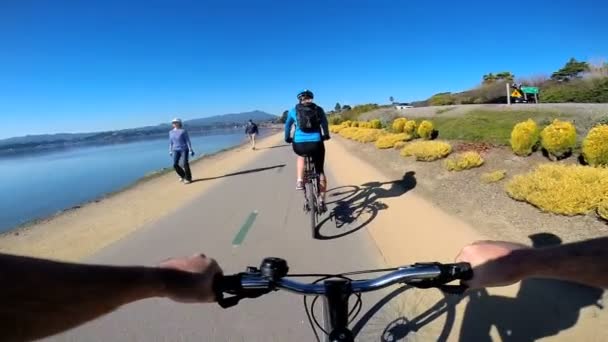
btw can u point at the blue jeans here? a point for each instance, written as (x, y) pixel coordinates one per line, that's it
(185, 171)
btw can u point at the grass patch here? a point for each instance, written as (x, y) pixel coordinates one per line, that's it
(443, 110)
(488, 126)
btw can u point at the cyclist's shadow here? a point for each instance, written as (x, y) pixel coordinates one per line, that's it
(541, 308)
(353, 207)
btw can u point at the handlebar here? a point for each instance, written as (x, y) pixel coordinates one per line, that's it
(273, 275)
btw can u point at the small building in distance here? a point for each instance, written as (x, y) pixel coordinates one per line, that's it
(402, 105)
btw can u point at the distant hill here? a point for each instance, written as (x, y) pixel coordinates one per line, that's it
(235, 118)
(62, 140)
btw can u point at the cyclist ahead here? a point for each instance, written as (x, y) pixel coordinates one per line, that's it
(311, 130)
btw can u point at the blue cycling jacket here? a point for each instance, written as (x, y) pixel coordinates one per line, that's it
(300, 136)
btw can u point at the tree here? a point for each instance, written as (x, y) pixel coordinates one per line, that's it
(489, 78)
(346, 107)
(572, 69)
(338, 108)
(506, 76)
(392, 99)
(283, 118)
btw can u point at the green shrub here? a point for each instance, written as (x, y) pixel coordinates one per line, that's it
(559, 138)
(524, 137)
(334, 119)
(375, 123)
(464, 161)
(561, 189)
(425, 130)
(494, 176)
(595, 146)
(579, 91)
(442, 99)
(427, 150)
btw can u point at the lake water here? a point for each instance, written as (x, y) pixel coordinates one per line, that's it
(40, 185)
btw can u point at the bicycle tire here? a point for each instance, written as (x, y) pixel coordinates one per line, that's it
(309, 188)
(393, 329)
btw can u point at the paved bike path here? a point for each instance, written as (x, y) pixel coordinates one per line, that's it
(210, 224)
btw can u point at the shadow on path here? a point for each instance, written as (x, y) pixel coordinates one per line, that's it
(354, 207)
(244, 172)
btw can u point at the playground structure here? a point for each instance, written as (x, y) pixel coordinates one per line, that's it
(518, 93)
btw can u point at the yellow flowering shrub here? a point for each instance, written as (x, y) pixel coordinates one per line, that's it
(399, 145)
(347, 123)
(559, 138)
(561, 189)
(494, 176)
(464, 161)
(389, 140)
(425, 130)
(524, 137)
(602, 209)
(410, 127)
(363, 135)
(376, 124)
(427, 150)
(398, 124)
(595, 146)
(354, 124)
(336, 128)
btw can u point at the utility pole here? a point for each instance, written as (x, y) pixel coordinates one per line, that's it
(508, 94)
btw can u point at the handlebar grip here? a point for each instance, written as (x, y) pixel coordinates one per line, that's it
(463, 271)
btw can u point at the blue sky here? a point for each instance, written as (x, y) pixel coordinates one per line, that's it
(68, 66)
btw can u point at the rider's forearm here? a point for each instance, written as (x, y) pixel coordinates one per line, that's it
(41, 298)
(583, 262)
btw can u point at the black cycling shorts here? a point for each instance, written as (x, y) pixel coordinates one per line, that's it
(314, 149)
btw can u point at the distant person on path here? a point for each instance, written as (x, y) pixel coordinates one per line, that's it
(179, 147)
(251, 130)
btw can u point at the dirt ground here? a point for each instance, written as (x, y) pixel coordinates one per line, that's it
(487, 207)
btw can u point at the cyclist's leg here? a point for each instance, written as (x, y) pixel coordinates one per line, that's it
(253, 140)
(319, 160)
(300, 150)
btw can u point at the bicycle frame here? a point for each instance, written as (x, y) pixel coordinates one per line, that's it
(337, 293)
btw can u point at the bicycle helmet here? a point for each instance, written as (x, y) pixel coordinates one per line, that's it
(306, 93)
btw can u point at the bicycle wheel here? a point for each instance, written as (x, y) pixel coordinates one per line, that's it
(312, 202)
(418, 315)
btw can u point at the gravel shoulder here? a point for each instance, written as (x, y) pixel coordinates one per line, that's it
(486, 207)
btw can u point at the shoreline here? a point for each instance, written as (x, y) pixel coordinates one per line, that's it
(116, 214)
(104, 196)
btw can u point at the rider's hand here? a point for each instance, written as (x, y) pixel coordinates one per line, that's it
(171, 153)
(192, 153)
(493, 262)
(288, 140)
(194, 282)
(326, 137)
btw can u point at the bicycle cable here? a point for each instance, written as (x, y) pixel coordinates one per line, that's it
(310, 314)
